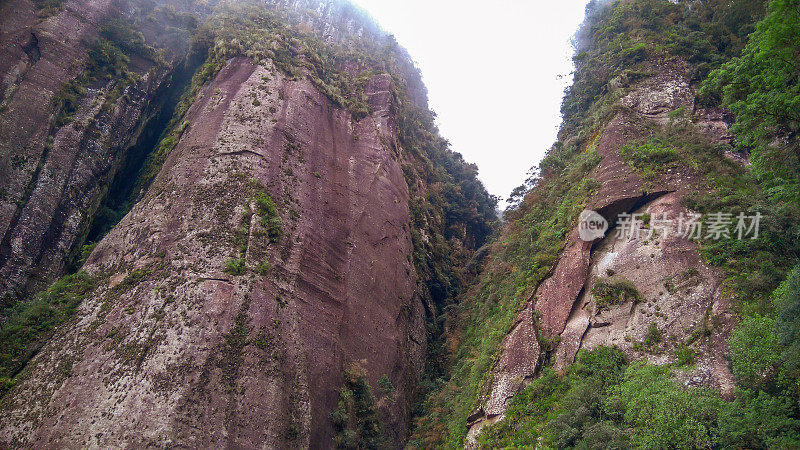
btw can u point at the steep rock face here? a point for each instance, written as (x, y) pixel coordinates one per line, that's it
(55, 176)
(680, 294)
(288, 225)
(253, 356)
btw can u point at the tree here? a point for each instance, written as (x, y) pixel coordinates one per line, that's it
(762, 87)
(661, 413)
(787, 324)
(354, 417)
(755, 354)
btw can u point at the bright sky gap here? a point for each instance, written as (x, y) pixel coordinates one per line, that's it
(495, 72)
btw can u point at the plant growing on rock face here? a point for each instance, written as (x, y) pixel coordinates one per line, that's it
(787, 323)
(235, 267)
(613, 291)
(385, 385)
(650, 158)
(762, 87)
(755, 352)
(354, 417)
(270, 219)
(123, 34)
(684, 355)
(29, 323)
(652, 337)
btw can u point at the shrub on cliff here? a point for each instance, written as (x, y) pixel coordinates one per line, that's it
(787, 303)
(124, 36)
(659, 412)
(28, 324)
(354, 418)
(270, 220)
(762, 87)
(754, 352)
(614, 291)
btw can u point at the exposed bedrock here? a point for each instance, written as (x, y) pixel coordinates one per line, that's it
(54, 176)
(253, 356)
(679, 294)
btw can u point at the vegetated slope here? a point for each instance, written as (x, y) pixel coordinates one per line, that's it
(662, 340)
(295, 231)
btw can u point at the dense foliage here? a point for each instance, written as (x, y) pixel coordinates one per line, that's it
(617, 36)
(108, 58)
(521, 258)
(603, 402)
(29, 324)
(640, 405)
(762, 87)
(354, 417)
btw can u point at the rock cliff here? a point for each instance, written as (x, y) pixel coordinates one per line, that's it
(235, 224)
(277, 244)
(678, 292)
(57, 171)
(624, 304)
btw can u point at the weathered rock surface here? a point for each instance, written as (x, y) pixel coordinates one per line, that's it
(680, 294)
(172, 350)
(53, 179)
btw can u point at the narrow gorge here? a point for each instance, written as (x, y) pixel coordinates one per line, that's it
(234, 224)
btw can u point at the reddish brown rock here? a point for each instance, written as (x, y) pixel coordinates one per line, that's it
(564, 301)
(680, 296)
(518, 361)
(556, 295)
(53, 179)
(715, 123)
(193, 355)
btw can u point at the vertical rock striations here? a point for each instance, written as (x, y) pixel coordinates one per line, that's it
(277, 240)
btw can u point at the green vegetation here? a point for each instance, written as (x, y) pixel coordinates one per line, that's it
(125, 37)
(231, 352)
(235, 267)
(385, 386)
(354, 417)
(602, 402)
(642, 406)
(787, 322)
(522, 258)
(614, 291)
(29, 324)
(652, 337)
(561, 409)
(270, 220)
(650, 159)
(618, 39)
(252, 30)
(762, 87)
(764, 349)
(49, 8)
(270, 225)
(108, 58)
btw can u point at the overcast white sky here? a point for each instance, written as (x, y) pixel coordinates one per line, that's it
(495, 72)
